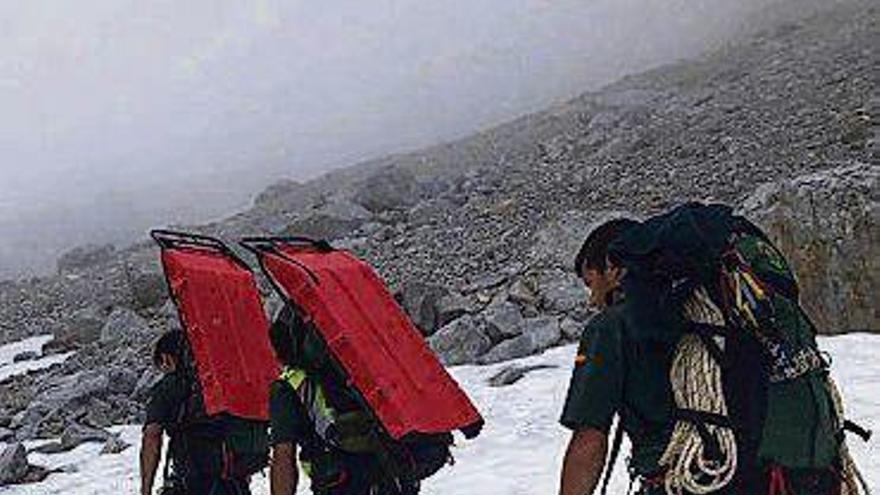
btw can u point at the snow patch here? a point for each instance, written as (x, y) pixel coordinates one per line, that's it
(33, 344)
(520, 451)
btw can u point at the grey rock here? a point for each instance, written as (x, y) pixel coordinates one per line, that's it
(124, 322)
(25, 356)
(148, 378)
(571, 329)
(114, 445)
(560, 291)
(13, 464)
(284, 195)
(420, 301)
(484, 282)
(76, 434)
(538, 334)
(123, 380)
(36, 474)
(50, 448)
(82, 257)
(6, 434)
(522, 293)
(513, 373)
(70, 390)
(321, 226)
(148, 289)
(388, 189)
(84, 327)
(461, 341)
(455, 305)
(169, 316)
(503, 321)
(827, 225)
(60, 344)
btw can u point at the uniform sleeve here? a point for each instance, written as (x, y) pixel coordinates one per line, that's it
(286, 420)
(164, 402)
(596, 388)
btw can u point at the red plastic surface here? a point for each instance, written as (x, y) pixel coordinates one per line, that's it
(227, 328)
(383, 353)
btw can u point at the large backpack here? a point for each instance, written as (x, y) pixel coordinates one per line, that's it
(221, 445)
(221, 313)
(341, 419)
(751, 387)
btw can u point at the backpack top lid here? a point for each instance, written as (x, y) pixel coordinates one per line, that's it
(686, 241)
(668, 252)
(225, 325)
(384, 356)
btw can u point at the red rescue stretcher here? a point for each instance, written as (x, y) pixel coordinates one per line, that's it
(223, 317)
(383, 354)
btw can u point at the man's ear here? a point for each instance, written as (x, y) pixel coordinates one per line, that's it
(615, 273)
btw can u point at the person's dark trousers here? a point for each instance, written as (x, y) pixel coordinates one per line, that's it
(375, 489)
(209, 486)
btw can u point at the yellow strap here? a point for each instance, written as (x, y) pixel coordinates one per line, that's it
(293, 376)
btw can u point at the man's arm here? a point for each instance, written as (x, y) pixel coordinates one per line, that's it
(583, 463)
(283, 473)
(151, 452)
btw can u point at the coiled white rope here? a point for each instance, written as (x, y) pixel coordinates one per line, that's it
(853, 483)
(697, 386)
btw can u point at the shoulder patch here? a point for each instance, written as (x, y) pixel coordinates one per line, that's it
(582, 359)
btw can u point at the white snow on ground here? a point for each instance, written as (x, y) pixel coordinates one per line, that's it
(34, 344)
(520, 450)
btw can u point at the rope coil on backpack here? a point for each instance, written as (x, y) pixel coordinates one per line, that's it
(697, 386)
(852, 480)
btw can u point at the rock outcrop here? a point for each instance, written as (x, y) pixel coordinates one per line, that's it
(828, 226)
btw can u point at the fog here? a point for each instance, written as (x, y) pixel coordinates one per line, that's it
(118, 115)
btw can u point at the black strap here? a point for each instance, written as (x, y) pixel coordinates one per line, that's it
(616, 443)
(706, 332)
(860, 431)
(700, 419)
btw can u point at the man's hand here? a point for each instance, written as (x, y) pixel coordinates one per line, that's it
(283, 473)
(151, 452)
(583, 463)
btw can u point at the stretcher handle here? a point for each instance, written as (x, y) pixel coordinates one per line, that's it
(267, 244)
(170, 239)
(262, 246)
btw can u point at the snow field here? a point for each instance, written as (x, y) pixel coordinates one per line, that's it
(520, 450)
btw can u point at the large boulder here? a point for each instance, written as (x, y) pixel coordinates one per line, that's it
(13, 464)
(828, 226)
(69, 391)
(503, 320)
(453, 306)
(392, 188)
(537, 334)
(421, 302)
(461, 341)
(148, 288)
(560, 291)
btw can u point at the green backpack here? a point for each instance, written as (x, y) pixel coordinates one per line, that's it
(343, 420)
(751, 386)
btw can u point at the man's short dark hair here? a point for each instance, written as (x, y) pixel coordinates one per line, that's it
(171, 343)
(285, 335)
(594, 251)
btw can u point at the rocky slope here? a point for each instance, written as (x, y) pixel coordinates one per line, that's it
(477, 236)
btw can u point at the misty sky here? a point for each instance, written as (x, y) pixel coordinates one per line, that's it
(118, 115)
